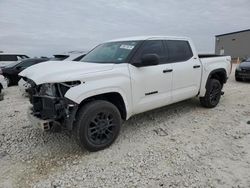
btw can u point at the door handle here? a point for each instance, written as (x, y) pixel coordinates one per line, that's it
(196, 66)
(167, 70)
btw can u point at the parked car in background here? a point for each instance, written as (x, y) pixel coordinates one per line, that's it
(119, 79)
(242, 71)
(9, 58)
(59, 57)
(11, 71)
(3, 83)
(69, 56)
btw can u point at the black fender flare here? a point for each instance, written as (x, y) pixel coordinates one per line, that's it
(220, 70)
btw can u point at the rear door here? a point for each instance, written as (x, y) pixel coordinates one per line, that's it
(186, 70)
(151, 85)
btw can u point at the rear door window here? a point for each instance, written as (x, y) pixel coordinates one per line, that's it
(8, 58)
(178, 50)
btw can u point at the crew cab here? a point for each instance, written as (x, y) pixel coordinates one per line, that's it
(118, 79)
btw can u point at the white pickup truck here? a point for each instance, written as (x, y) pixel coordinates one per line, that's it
(119, 79)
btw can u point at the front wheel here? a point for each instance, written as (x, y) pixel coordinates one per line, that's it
(97, 125)
(213, 94)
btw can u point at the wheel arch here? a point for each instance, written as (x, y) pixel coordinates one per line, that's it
(113, 97)
(219, 74)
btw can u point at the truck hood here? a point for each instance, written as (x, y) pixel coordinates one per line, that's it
(62, 71)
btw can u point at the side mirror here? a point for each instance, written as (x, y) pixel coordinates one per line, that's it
(149, 60)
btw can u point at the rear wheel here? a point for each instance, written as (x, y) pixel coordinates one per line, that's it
(97, 125)
(213, 94)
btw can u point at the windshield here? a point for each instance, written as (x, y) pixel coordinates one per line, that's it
(248, 60)
(112, 52)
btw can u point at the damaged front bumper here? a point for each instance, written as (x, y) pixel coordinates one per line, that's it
(50, 107)
(45, 125)
(50, 112)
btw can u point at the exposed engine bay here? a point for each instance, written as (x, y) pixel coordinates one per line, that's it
(50, 104)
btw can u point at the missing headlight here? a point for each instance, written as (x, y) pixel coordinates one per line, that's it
(65, 86)
(71, 84)
(56, 89)
(48, 89)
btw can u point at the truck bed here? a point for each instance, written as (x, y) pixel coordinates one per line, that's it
(209, 55)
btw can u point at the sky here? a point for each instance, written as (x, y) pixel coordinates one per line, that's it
(46, 27)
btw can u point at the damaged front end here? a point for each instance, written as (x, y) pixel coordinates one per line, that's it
(50, 108)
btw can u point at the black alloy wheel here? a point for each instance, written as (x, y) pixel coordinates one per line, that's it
(97, 125)
(213, 94)
(101, 128)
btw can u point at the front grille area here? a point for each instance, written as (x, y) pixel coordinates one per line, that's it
(46, 107)
(245, 71)
(244, 75)
(49, 103)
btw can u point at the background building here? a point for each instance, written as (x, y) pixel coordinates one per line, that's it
(235, 44)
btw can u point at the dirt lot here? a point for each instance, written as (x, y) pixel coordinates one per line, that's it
(182, 145)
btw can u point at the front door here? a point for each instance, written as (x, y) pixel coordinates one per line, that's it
(151, 85)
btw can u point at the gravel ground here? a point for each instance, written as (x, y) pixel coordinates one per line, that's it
(182, 145)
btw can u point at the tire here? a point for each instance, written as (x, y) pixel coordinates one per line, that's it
(97, 125)
(213, 94)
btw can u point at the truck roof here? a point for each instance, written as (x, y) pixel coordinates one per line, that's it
(137, 38)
